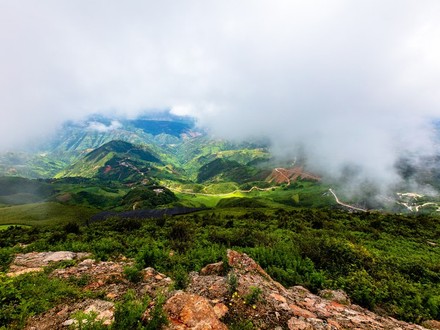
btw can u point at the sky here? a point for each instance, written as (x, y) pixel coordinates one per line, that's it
(349, 82)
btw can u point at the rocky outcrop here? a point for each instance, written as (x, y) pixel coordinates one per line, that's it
(431, 324)
(212, 299)
(35, 261)
(64, 316)
(213, 269)
(105, 278)
(190, 311)
(251, 294)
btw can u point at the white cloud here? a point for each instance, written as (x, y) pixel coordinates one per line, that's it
(100, 127)
(351, 81)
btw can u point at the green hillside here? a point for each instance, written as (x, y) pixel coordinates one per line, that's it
(16, 190)
(115, 160)
(39, 214)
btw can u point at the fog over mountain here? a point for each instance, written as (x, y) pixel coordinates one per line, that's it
(346, 82)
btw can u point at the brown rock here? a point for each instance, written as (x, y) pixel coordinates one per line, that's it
(241, 261)
(309, 324)
(104, 311)
(211, 286)
(18, 272)
(432, 324)
(335, 324)
(34, 261)
(278, 297)
(298, 311)
(189, 311)
(86, 263)
(276, 308)
(298, 324)
(243, 264)
(111, 296)
(212, 269)
(62, 316)
(335, 295)
(220, 310)
(299, 291)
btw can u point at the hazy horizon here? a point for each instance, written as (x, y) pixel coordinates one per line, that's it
(350, 83)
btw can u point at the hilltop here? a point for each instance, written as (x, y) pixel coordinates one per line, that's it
(385, 263)
(115, 160)
(233, 294)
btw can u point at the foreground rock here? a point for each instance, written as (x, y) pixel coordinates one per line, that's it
(189, 311)
(276, 306)
(105, 278)
(35, 261)
(212, 300)
(64, 316)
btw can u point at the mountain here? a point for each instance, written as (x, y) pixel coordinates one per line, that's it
(115, 160)
(173, 139)
(171, 151)
(75, 139)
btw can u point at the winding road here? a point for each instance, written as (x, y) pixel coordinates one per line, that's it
(346, 205)
(220, 195)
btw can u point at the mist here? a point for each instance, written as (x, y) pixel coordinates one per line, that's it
(351, 83)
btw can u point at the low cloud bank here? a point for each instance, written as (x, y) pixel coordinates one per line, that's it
(351, 84)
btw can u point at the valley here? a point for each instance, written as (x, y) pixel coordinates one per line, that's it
(162, 197)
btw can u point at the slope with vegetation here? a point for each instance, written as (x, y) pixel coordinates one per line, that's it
(159, 194)
(386, 263)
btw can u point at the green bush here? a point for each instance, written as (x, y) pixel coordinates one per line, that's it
(30, 294)
(87, 321)
(232, 283)
(129, 311)
(158, 318)
(6, 257)
(180, 277)
(253, 296)
(107, 247)
(361, 288)
(152, 255)
(133, 274)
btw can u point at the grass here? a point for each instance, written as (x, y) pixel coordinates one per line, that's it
(383, 261)
(299, 194)
(39, 214)
(191, 200)
(5, 227)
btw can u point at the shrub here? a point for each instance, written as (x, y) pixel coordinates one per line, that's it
(180, 277)
(132, 274)
(181, 235)
(71, 228)
(152, 256)
(87, 321)
(129, 311)
(30, 294)
(361, 288)
(158, 317)
(232, 283)
(253, 296)
(106, 247)
(6, 257)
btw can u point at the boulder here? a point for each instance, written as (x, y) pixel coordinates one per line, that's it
(190, 311)
(338, 296)
(35, 261)
(213, 269)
